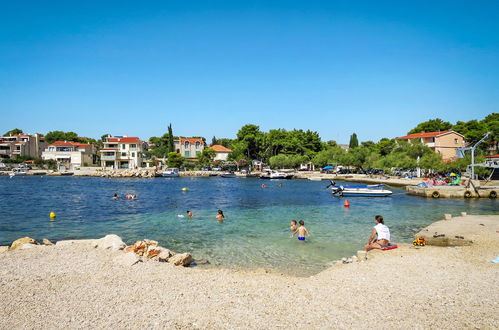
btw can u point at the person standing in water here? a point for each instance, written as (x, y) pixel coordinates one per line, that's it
(292, 228)
(380, 235)
(220, 215)
(302, 231)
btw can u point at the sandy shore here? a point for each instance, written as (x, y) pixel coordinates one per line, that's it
(429, 287)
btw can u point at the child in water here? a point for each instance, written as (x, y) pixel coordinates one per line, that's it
(220, 215)
(302, 231)
(292, 228)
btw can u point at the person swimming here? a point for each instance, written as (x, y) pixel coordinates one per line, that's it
(189, 214)
(115, 196)
(220, 215)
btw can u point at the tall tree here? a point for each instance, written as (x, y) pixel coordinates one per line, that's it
(214, 141)
(14, 131)
(432, 125)
(171, 144)
(354, 142)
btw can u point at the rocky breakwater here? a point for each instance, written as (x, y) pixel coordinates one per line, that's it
(143, 250)
(126, 173)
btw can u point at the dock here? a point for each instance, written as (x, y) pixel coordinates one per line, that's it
(453, 191)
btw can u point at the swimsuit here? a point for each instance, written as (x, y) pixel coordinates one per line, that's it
(301, 238)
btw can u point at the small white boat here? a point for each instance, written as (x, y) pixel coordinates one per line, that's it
(18, 172)
(228, 175)
(376, 190)
(170, 172)
(276, 175)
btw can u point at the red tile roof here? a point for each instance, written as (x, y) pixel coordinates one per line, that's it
(191, 140)
(219, 148)
(492, 156)
(124, 140)
(65, 143)
(424, 134)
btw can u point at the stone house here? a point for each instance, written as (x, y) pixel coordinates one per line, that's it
(189, 148)
(22, 145)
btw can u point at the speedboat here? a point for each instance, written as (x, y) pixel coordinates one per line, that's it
(276, 175)
(228, 175)
(170, 172)
(18, 172)
(375, 190)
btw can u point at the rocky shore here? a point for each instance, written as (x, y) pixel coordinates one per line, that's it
(78, 285)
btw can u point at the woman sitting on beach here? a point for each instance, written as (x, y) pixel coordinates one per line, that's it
(380, 236)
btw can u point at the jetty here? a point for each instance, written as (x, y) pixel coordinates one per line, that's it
(454, 191)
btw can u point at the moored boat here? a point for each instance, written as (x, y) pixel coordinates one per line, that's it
(376, 190)
(228, 175)
(273, 175)
(170, 172)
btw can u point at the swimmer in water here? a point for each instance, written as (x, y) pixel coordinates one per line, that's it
(220, 215)
(189, 214)
(115, 197)
(302, 231)
(292, 228)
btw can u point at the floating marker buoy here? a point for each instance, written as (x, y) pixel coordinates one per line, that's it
(346, 204)
(264, 185)
(52, 215)
(184, 189)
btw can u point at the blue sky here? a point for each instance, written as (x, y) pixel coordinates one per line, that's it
(376, 68)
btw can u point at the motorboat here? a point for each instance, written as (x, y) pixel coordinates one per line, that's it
(18, 172)
(170, 172)
(273, 175)
(376, 190)
(228, 175)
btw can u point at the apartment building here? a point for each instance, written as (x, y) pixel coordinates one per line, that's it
(122, 152)
(22, 145)
(70, 155)
(445, 143)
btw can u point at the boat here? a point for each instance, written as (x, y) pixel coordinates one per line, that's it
(375, 190)
(273, 175)
(228, 175)
(17, 172)
(170, 172)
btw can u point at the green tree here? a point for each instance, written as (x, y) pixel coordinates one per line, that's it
(14, 131)
(432, 125)
(214, 141)
(53, 136)
(175, 160)
(171, 143)
(206, 157)
(354, 142)
(253, 138)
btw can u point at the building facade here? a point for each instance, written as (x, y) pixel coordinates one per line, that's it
(221, 152)
(445, 143)
(22, 145)
(189, 148)
(122, 152)
(70, 155)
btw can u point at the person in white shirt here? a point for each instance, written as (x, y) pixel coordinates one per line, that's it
(380, 236)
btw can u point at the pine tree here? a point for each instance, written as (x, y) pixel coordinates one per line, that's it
(214, 141)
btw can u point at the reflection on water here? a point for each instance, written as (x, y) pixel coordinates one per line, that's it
(254, 235)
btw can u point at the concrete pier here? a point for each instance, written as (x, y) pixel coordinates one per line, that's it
(453, 191)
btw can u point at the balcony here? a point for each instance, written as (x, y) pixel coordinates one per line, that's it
(113, 157)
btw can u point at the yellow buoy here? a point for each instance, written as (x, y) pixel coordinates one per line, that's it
(52, 215)
(184, 189)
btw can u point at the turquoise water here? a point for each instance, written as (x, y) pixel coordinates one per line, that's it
(254, 235)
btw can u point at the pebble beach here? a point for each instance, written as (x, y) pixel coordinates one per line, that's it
(79, 286)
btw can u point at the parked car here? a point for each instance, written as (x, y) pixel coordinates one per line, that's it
(206, 168)
(216, 169)
(4, 167)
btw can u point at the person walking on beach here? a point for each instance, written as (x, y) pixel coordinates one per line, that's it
(220, 216)
(302, 231)
(380, 235)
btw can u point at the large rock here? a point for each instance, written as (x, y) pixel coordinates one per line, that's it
(21, 241)
(127, 259)
(182, 259)
(46, 241)
(111, 242)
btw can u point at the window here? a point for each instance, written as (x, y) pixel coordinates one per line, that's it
(133, 146)
(197, 145)
(198, 153)
(133, 154)
(186, 145)
(455, 141)
(123, 154)
(123, 146)
(187, 154)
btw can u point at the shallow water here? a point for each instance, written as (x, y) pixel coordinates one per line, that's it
(254, 235)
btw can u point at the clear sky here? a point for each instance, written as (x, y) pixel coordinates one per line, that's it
(208, 67)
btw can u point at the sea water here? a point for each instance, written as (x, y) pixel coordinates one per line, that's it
(255, 233)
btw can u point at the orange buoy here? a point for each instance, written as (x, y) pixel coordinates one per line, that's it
(264, 185)
(346, 204)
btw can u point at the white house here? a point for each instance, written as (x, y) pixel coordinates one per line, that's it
(122, 152)
(69, 155)
(222, 153)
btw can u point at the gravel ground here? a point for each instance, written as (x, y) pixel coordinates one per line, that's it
(78, 286)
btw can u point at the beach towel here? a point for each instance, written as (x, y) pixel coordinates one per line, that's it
(496, 260)
(390, 247)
